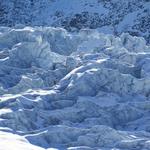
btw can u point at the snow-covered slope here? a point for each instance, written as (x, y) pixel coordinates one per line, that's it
(115, 16)
(82, 91)
(9, 141)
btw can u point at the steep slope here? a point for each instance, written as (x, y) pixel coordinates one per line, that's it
(115, 16)
(83, 90)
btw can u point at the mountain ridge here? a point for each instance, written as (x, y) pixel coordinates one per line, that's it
(114, 17)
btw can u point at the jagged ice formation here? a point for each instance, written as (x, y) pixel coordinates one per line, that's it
(84, 91)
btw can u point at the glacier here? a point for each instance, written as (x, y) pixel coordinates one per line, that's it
(84, 90)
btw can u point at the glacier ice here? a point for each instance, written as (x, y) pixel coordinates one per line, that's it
(85, 90)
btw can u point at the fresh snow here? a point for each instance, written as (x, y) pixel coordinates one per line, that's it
(9, 141)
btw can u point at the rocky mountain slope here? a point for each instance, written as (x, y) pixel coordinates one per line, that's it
(110, 16)
(83, 91)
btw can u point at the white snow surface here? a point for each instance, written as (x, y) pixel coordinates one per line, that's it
(82, 91)
(11, 141)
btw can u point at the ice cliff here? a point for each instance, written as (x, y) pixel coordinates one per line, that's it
(83, 91)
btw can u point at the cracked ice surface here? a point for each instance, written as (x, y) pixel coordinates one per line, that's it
(82, 91)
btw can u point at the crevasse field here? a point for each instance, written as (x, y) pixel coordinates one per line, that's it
(74, 91)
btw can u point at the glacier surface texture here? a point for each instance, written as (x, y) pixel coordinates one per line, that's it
(75, 91)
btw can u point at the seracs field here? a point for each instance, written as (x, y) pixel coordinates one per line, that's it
(83, 91)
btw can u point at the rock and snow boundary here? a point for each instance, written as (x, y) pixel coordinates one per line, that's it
(83, 90)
